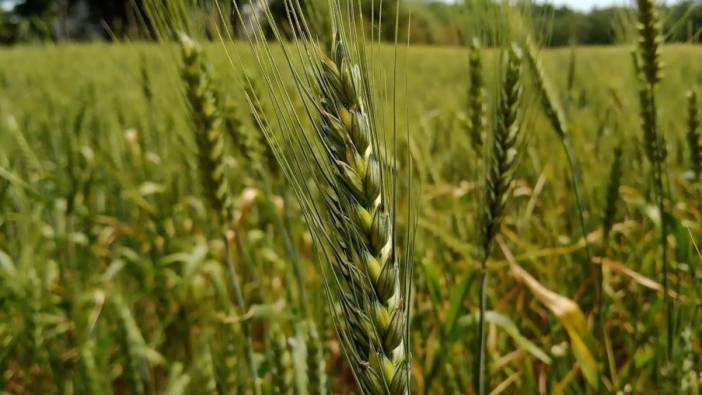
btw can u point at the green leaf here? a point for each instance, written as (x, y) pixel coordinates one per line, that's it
(458, 295)
(682, 238)
(433, 278)
(507, 325)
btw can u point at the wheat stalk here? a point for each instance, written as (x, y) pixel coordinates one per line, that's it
(648, 66)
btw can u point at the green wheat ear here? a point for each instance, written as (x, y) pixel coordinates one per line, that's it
(612, 197)
(505, 149)
(316, 365)
(551, 104)
(650, 39)
(281, 362)
(373, 317)
(477, 106)
(207, 124)
(146, 85)
(505, 154)
(207, 127)
(333, 156)
(649, 66)
(693, 135)
(259, 118)
(244, 140)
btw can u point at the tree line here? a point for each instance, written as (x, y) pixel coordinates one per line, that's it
(432, 22)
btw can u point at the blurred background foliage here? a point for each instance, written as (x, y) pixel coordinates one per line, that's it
(431, 22)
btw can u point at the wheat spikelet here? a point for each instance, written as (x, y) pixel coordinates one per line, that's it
(693, 135)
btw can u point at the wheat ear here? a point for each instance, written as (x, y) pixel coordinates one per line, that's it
(260, 122)
(207, 125)
(244, 141)
(316, 366)
(373, 311)
(612, 195)
(693, 135)
(556, 115)
(503, 163)
(281, 362)
(477, 108)
(649, 66)
(146, 85)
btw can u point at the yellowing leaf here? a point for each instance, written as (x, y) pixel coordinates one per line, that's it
(568, 313)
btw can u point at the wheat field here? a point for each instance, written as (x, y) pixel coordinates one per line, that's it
(116, 270)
